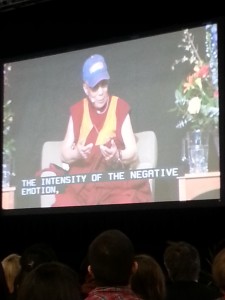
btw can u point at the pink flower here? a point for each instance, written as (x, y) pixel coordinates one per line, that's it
(202, 72)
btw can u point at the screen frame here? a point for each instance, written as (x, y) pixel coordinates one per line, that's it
(133, 207)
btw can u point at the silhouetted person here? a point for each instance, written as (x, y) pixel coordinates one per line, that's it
(149, 280)
(218, 272)
(33, 256)
(11, 267)
(50, 281)
(111, 259)
(4, 291)
(182, 262)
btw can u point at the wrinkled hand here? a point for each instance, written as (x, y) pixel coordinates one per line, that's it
(84, 150)
(109, 153)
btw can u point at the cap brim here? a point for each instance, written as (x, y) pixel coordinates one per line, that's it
(92, 82)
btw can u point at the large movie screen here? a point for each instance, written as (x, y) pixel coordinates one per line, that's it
(134, 121)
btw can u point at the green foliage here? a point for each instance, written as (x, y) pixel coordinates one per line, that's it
(196, 97)
(8, 116)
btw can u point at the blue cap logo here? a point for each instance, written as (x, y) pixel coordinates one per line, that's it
(95, 70)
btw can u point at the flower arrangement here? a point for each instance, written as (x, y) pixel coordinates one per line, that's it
(196, 97)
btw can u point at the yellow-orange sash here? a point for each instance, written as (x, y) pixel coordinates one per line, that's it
(108, 130)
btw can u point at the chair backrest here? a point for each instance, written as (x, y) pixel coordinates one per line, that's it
(51, 154)
(147, 149)
(147, 153)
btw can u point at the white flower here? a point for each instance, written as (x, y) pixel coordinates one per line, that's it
(194, 105)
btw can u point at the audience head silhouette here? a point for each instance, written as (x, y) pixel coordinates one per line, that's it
(218, 270)
(11, 266)
(182, 261)
(36, 254)
(33, 256)
(111, 258)
(50, 281)
(9, 269)
(149, 280)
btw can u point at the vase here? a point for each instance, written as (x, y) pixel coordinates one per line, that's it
(197, 151)
(215, 134)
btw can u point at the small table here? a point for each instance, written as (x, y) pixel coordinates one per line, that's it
(193, 185)
(8, 197)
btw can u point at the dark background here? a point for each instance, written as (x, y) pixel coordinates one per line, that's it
(41, 29)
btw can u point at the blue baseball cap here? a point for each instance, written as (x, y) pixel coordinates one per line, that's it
(95, 70)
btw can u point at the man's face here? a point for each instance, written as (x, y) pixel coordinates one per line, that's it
(98, 95)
